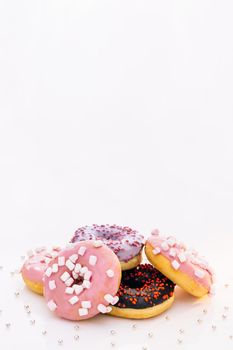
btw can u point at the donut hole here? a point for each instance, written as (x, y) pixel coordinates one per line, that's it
(79, 280)
(135, 283)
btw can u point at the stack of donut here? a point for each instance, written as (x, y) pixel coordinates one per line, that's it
(100, 271)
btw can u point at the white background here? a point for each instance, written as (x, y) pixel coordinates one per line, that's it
(116, 112)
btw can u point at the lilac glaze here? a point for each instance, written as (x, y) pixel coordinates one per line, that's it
(124, 241)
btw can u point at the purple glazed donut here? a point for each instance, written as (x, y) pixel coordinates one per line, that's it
(126, 243)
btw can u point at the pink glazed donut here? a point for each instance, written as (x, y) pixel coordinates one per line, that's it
(82, 281)
(181, 265)
(34, 267)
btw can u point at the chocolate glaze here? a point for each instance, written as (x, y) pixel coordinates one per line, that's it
(143, 287)
(124, 241)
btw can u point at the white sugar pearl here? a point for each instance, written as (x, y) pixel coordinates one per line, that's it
(69, 290)
(108, 298)
(73, 300)
(182, 257)
(199, 273)
(82, 250)
(70, 265)
(86, 304)
(156, 251)
(97, 244)
(86, 284)
(78, 289)
(69, 282)
(82, 312)
(52, 285)
(74, 258)
(64, 277)
(175, 264)
(110, 273)
(48, 272)
(77, 268)
(52, 305)
(87, 275)
(92, 260)
(61, 261)
(165, 246)
(55, 268)
(172, 252)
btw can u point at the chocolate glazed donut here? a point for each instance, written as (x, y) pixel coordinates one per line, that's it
(126, 243)
(144, 292)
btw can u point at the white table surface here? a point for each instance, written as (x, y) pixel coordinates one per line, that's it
(116, 112)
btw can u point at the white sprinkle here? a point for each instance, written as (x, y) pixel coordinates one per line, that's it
(61, 261)
(87, 275)
(171, 241)
(165, 246)
(69, 282)
(55, 268)
(156, 251)
(83, 270)
(30, 253)
(172, 252)
(48, 272)
(182, 257)
(69, 290)
(175, 264)
(78, 288)
(73, 300)
(83, 312)
(97, 244)
(86, 304)
(86, 284)
(52, 285)
(199, 273)
(47, 260)
(74, 258)
(108, 298)
(52, 305)
(64, 277)
(110, 273)
(82, 250)
(70, 265)
(77, 268)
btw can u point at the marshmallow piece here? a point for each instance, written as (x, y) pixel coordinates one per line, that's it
(69, 282)
(199, 273)
(69, 290)
(108, 298)
(102, 308)
(165, 246)
(172, 252)
(86, 284)
(182, 257)
(70, 265)
(61, 261)
(108, 309)
(54, 254)
(171, 241)
(156, 251)
(73, 300)
(75, 275)
(92, 260)
(97, 244)
(82, 250)
(77, 268)
(74, 258)
(110, 273)
(82, 312)
(48, 272)
(52, 305)
(78, 288)
(86, 304)
(83, 270)
(47, 260)
(55, 268)
(115, 300)
(64, 277)
(175, 264)
(52, 285)
(87, 275)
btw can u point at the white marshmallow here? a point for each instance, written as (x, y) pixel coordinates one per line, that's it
(82, 312)
(97, 244)
(86, 304)
(52, 285)
(83, 270)
(55, 268)
(172, 252)
(175, 264)
(48, 272)
(73, 300)
(78, 288)
(69, 290)
(52, 305)
(165, 246)
(69, 282)
(115, 300)
(70, 265)
(77, 268)
(182, 257)
(64, 277)
(74, 258)
(61, 261)
(108, 298)
(110, 273)
(82, 250)
(92, 260)
(47, 260)
(87, 275)
(171, 241)
(102, 308)
(75, 275)
(86, 284)
(199, 273)
(156, 251)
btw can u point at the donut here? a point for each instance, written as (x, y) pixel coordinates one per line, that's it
(34, 267)
(82, 281)
(126, 243)
(144, 292)
(183, 266)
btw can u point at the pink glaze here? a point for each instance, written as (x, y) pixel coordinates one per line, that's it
(194, 265)
(37, 262)
(104, 281)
